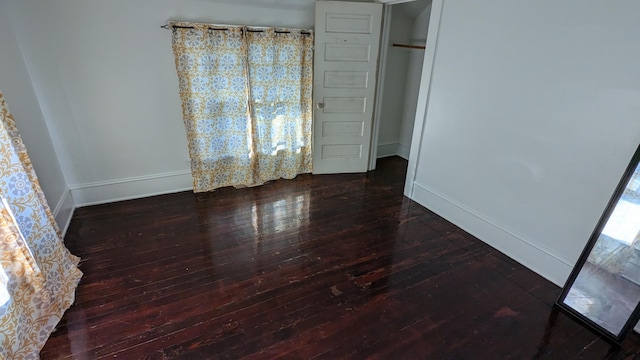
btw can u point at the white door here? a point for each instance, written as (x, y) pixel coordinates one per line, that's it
(347, 43)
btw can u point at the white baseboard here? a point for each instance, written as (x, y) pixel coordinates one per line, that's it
(63, 212)
(395, 149)
(386, 150)
(131, 188)
(403, 151)
(544, 262)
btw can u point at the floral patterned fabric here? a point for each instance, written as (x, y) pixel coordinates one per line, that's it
(246, 102)
(38, 275)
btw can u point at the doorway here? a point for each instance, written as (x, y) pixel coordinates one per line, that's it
(402, 54)
(367, 79)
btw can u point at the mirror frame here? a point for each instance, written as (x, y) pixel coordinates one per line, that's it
(635, 315)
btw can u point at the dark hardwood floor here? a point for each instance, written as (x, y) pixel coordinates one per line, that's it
(319, 267)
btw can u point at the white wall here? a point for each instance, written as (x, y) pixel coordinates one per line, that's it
(104, 74)
(16, 85)
(412, 83)
(421, 24)
(532, 114)
(394, 83)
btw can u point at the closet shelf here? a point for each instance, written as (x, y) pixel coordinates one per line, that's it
(419, 47)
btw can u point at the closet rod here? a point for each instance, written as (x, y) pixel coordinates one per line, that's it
(211, 28)
(410, 46)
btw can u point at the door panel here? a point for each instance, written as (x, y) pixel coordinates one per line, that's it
(347, 52)
(345, 64)
(346, 79)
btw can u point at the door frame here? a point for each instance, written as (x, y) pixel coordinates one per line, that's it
(423, 95)
(380, 74)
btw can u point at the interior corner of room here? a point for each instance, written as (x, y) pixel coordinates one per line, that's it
(518, 137)
(405, 24)
(79, 109)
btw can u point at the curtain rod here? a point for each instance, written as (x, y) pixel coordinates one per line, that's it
(210, 28)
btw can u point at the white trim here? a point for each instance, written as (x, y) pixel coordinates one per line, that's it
(60, 203)
(542, 261)
(135, 187)
(386, 150)
(403, 151)
(423, 94)
(393, 149)
(63, 212)
(382, 65)
(545, 262)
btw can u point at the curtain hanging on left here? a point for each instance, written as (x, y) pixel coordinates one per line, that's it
(38, 275)
(246, 100)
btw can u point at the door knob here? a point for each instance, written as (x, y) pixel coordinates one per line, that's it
(320, 105)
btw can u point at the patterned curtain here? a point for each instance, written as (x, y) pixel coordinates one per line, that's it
(38, 275)
(246, 102)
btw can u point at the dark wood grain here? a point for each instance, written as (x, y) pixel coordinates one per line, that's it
(319, 267)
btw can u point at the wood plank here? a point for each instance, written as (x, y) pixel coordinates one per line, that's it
(325, 266)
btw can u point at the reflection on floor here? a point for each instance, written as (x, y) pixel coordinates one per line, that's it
(322, 267)
(606, 298)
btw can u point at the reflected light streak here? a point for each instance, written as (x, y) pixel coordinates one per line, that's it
(277, 216)
(623, 225)
(4, 288)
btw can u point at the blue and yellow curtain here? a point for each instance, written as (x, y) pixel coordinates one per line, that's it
(246, 101)
(38, 275)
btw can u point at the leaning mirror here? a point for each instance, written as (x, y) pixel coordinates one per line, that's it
(603, 289)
